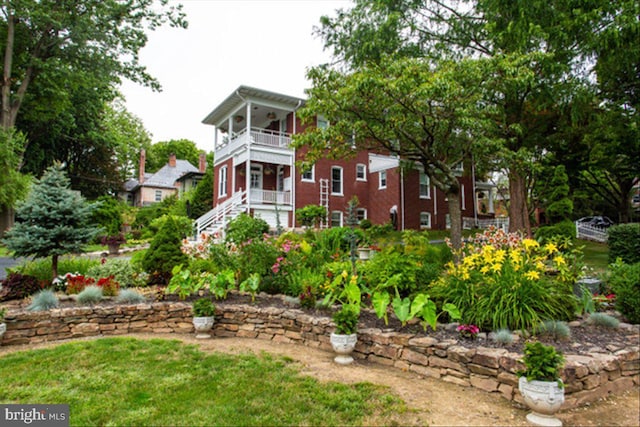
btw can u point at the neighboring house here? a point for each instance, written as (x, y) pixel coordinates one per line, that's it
(176, 177)
(252, 138)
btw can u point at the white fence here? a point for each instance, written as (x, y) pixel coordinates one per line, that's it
(470, 223)
(590, 232)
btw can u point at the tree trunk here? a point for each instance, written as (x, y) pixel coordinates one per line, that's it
(455, 214)
(518, 212)
(6, 72)
(54, 265)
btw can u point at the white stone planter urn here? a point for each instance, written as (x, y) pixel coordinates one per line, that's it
(364, 253)
(202, 326)
(3, 329)
(544, 398)
(343, 345)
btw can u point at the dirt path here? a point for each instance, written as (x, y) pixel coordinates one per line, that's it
(430, 402)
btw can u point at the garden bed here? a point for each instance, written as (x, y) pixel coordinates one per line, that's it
(598, 363)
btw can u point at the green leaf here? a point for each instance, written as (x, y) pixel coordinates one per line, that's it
(401, 308)
(452, 310)
(428, 314)
(380, 301)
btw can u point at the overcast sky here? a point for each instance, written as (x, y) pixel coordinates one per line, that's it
(267, 44)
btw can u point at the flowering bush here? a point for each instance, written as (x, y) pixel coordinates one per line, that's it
(468, 331)
(109, 286)
(505, 281)
(77, 282)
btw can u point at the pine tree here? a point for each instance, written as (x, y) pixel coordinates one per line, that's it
(202, 201)
(560, 205)
(54, 220)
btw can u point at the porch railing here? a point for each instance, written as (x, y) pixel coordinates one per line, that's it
(590, 232)
(220, 213)
(501, 223)
(257, 195)
(262, 137)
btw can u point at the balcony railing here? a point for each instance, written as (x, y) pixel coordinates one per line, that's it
(270, 197)
(261, 137)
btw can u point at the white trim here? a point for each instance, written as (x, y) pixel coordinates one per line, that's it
(341, 192)
(428, 216)
(364, 172)
(341, 220)
(464, 203)
(223, 176)
(313, 175)
(382, 175)
(364, 210)
(421, 184)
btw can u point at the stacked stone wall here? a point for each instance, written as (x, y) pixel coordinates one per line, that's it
(587, 377)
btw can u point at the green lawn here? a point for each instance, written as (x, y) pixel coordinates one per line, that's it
(124, 381)
(596, 255)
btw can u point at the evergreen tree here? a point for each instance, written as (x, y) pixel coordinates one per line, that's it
(164, 253)
(560, 205)
(202, 201)
(54, 220)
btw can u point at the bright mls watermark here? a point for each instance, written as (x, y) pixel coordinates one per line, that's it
(34, 415)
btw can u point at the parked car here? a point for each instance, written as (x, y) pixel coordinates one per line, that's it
(596, 221)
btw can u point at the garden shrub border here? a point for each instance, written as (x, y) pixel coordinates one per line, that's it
(587, 378)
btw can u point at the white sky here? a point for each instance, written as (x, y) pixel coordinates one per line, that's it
(267, 44)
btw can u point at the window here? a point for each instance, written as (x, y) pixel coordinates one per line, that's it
(425, 220)
(321, 122)
(309, 175)
(222, 182)
(158, 195)
(425, 191)
(448, 221)
(382, 179)
(336, 218)
(256, 177)
(361, 213)
(361, 172)
(336, 180)
(459, 167)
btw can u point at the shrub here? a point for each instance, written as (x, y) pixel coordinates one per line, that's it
(183, 224)
(624, 280)
(44, 300)
(564, 229)
(165, 252)
(311, 215)
(109, 286)
(346, 320)
(203, 307)
(503, 336)
(507, 284)
(18, 286)
(604, 320)
(555, 329)
(41, 268)
(90, 295)
(129, 296)
(77, 282)
(542, 362)
(119, 268)
(624, 243)
(244, 228)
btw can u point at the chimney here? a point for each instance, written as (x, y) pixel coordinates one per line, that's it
(202, 166)
(172, 160)
(143, 159)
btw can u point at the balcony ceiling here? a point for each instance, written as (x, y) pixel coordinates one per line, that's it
(263, 102)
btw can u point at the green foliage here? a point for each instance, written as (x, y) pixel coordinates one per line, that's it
(108, 215)
(542, 363)
(624, 280)
(146, 214)
(555, 329)
(13, 184)
(503, 336)
(44, 300)
(158, 153)
(165, 252)
(129, 296)
(18, 286)
(311, 215)
(52, 221)
(202, 199)
(244, 228)
(304, 279)
(185, 283)
(3, 312)
(251, 284)
(90, 295)
(258, 256)
(121, 270)
(564, 230)
(624, 243)
(560, 207)
(203, 307)
(183, 224)
(41, 268)
(346, 319)
(603, 320)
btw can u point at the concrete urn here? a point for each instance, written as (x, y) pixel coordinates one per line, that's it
(544, 398)
(343, 345)
(202, 326)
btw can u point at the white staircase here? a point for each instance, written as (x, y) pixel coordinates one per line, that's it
(217, 219)
(324, 200)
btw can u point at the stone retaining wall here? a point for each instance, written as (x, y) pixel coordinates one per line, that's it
(587, 378)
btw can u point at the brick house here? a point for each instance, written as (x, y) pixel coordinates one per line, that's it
(253, 130)
(176, 177)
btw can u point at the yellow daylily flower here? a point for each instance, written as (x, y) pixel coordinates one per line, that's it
(550, 248)
(559, 260)
(532, 275)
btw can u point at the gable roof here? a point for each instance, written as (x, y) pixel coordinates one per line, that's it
(167, 176)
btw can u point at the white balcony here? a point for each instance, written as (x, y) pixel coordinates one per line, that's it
(269, 197)
(261, 138)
